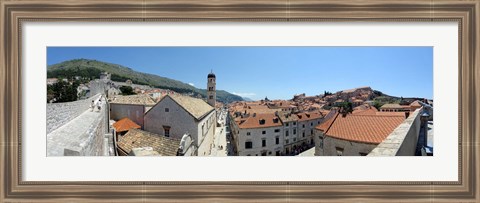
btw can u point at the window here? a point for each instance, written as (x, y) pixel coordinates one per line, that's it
(286, 133)
(211, 97)
(210, 88)
(303, 125)
(294, 139)
(264, 143)
(318, 122)
(264, 132)
(286, 124)
(269, 153)
(248, 133)
(286, 141)
(362, 154)
(303, 134)
(294, 123)
(294, 131)
(311, 132)
(166, 130)
(167, 110)
(321, 142)
(339, 151)
(277, 130)
(311, 124)
(248, 145)
(277, 140)
(277, 153)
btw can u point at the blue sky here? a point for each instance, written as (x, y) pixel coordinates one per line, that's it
(276, 72)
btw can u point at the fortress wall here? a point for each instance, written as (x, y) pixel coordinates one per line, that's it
(58, 114)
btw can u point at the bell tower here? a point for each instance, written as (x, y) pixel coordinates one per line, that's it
(211, 89)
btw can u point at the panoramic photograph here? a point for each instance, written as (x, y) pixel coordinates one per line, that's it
(239, 101)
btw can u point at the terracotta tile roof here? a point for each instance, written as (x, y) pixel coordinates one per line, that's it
(326, 124)
(198, 108)
(139, 99)
(255, 122)
(165, 146)
(365, 111)
(392, 106)
(309, 116)
(125, 124)
(361, 128)
(287, 117)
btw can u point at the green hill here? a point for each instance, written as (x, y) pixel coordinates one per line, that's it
(91, 69)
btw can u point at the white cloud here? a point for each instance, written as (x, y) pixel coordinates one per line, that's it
(244, 94)
(191, 84)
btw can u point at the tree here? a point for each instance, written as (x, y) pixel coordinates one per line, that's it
(377, 104)
(326, 93)
(126, 90)
(346, 107)
(63, 91)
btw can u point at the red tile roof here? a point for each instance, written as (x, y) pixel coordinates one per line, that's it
(254, 122)
(125, 124)
(361, 128)
(165, 146)
(309, 116)
(326, 124)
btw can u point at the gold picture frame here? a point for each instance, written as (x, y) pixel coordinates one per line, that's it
(14, 13)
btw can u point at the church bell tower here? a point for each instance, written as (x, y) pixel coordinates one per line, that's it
(211, 89)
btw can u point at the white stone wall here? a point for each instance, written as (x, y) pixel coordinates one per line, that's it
(349, 148)
(291, 139)
(131, 111)
(205, 141)
(256, 138)
(308, 129)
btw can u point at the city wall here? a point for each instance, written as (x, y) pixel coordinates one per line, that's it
(83, 135)
(58, 114)
(403, 140)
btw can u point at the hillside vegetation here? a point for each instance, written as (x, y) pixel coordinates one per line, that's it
(91, 69)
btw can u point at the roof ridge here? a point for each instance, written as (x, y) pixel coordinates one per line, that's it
(333, 121)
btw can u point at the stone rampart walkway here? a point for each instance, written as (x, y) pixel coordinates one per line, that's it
(74, 134)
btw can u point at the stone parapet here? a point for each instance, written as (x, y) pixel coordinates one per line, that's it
(403, 140)
(82, 136)
(58, 114)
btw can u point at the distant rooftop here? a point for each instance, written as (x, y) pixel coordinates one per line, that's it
(260, 121)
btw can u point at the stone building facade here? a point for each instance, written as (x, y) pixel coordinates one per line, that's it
(176, 115)
(259, 135)
(132, 107)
